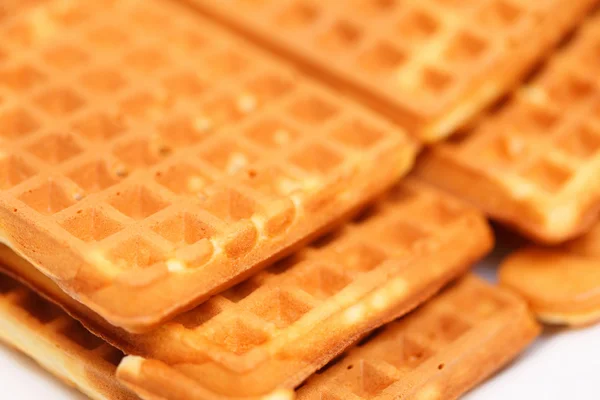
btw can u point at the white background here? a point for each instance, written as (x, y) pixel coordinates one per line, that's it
(562, 364)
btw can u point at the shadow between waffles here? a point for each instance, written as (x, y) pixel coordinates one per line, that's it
(507, 241)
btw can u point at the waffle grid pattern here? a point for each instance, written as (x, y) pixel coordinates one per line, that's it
(94, 360)
(533, 151)
(285, 322)
(251, 157)
(429, 352)
(424, 57)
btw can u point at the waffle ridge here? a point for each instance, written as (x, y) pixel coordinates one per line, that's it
(273, 330)
(170, 158)
(531, 163)
(441, 350)
(60, 344)
(431, 65)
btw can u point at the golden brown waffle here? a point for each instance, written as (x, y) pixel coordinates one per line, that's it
(534, 163)
(150, 159)
(411, 349)
(58, 343)
(439, 352)
(275, 329)
(562, 284)
(429, 64)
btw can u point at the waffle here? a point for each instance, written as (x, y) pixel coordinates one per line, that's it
(273, 330)
(430, 65)
(530, 163)
(440, 351)
(150, 159)
(426, 339)
(562, 284)
(58, 343)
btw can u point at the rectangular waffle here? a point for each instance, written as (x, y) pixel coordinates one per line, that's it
(275, 329)
(58, 343)
(431, 65)
(411, 349)
(534, 163)
(561, 284)
(150, 159)
(439, 352)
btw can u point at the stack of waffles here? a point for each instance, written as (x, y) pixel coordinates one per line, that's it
(207, 200)
(533, 163)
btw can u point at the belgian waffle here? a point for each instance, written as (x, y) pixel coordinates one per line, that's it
(429, 64)
(440, 351)
(562, 284)
(58, 343)
(150, 159)
(275, 329)
(534, 162)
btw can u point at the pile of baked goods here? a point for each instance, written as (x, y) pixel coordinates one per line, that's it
(279, 199)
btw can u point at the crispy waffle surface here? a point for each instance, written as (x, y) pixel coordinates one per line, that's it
(431, 352)
(58, 343)
(431, 65)
(278, 327)
(440, 351)
(562, 284)
(533, 163)
(150, 159)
